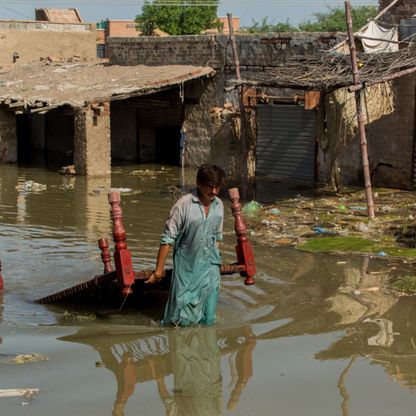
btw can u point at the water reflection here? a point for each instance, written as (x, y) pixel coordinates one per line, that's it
(190, 357)
(48, 243)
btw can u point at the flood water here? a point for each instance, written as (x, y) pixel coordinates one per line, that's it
(317, 335)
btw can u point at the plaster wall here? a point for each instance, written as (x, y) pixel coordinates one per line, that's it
(389, 110)
(201, 128)
(121, 28)
(92, 148)
(8, 138)
(35, 40)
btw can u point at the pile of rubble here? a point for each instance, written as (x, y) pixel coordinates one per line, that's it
(343, 218)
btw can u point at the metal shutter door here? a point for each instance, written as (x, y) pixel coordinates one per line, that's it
(286, 143)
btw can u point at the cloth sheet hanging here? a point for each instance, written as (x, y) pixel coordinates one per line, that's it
(382, 38)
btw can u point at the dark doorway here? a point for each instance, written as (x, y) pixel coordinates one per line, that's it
(24, 145)
(46, 139)
(167, 145)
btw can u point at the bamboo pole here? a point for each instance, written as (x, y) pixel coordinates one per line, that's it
(360, 115)
(234, 46)
(243, 127)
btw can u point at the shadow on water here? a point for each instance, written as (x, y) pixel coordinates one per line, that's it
(313, 333)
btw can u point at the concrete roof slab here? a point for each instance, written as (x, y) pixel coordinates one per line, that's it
(78, 84)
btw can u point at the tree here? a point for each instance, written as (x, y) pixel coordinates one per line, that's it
(266, 27)
(178, 17)
(334, 19)
(331, 21)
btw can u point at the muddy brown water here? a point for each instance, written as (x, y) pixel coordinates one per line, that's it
(317, 335)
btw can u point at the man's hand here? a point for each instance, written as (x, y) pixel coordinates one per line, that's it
(154, 278)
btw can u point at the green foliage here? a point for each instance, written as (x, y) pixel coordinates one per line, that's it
(334, 19)
(406, 284)
(330, 244)
(267, 27)
(181, 17)
(331, 21)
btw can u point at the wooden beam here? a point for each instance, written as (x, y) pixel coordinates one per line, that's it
(18, 392)
(17, 104)
(44, 109)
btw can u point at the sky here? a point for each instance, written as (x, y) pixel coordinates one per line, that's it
(275, 11)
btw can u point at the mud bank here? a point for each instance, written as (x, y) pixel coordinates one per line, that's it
(329, 222)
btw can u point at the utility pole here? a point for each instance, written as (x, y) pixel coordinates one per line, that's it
(360, 115)
(243, 121)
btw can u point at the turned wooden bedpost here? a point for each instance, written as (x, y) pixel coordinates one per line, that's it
(245, 254)
(105, 255)
(1, 280)
(122, 256)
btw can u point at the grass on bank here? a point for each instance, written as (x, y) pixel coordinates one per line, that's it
(355, 245)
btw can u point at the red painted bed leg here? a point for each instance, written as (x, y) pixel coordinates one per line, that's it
(122, 256)
(1, 280)
(245, 254)
(105, 255)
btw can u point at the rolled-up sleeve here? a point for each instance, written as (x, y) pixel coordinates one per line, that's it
(173, 225)
(220, 210)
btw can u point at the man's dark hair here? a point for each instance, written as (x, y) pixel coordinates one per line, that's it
(210, 175)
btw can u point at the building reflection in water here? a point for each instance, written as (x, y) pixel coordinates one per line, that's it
(191, 356)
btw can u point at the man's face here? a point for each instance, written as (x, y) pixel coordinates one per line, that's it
(208, 192)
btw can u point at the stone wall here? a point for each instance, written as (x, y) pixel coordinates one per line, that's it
(8, 138)
(35, 40)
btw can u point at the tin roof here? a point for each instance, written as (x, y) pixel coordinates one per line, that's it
(38, 85)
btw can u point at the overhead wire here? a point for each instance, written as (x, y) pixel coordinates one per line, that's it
(249, 3)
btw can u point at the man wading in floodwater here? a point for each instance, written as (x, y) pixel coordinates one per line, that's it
(194, 227)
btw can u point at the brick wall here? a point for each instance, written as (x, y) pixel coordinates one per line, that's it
(33, 40)
(215, 51)
(404, 9)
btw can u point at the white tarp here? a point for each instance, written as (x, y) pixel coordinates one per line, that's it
(382, 38)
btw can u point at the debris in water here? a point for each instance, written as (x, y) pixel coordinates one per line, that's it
(68, 170)
(31, 186)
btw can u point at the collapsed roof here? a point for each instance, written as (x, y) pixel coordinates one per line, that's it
(330, 71)
(43, 85)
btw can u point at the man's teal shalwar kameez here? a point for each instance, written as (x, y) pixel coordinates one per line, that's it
(196, 261)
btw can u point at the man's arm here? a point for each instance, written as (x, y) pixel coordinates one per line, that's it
(160, 264)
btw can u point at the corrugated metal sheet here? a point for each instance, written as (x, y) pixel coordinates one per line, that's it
(286, 143)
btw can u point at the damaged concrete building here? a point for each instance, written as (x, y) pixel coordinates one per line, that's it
(130, 112)
(90, 114)
(274, 123)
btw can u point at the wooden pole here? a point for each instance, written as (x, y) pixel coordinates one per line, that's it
(234, 46)
(360, 115)
(1, 280)
(243, 128)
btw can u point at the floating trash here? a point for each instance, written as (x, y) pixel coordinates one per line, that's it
(251, 207)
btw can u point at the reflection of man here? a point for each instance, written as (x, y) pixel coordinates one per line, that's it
(127, 386)
(196, 371)
(243, 368)
(192, 356)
